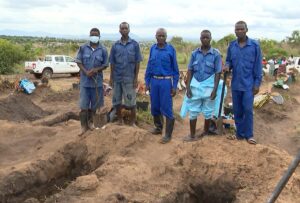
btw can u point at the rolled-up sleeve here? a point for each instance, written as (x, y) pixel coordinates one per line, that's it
(112, 55)
(218, 63)
(228, 58)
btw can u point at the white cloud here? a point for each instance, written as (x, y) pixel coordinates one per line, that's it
(266, 19)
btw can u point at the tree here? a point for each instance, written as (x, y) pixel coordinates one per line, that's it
(295, 38)
(10, 54)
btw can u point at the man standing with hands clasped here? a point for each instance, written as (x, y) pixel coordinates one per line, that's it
(92, 59)
(244, 59)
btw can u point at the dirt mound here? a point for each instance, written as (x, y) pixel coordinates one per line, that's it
(19, 107)
(64, 96)
(125, 164)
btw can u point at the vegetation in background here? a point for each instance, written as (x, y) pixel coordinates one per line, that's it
(14, 50)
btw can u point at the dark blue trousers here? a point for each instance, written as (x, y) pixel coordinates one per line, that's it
(243, 113)
(161, 99)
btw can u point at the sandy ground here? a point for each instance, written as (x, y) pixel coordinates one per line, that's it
(43, 160)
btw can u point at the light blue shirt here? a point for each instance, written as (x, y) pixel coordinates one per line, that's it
(203, 66)
(90, 58)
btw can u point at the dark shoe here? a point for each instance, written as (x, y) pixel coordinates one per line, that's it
(169, 130)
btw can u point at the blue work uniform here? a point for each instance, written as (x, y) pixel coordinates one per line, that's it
(246, 66)
(161, 76)
(91, 88)
(124, 57)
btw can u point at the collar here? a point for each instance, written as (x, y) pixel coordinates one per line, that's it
(120, 41)
(248, 42)
(156, 46)
(210, 51)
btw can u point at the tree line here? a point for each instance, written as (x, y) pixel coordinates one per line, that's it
(14, 50)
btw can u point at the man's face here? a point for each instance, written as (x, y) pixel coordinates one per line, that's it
(240, 30)
(124, 29)
(161, 37)
(95, 33)
(205, 38)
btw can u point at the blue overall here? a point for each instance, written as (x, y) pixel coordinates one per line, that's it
(246, 66)
(162, 63)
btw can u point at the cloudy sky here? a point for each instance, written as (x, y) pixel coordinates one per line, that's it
(272, 19)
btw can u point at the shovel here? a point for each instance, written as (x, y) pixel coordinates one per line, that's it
(220, 118)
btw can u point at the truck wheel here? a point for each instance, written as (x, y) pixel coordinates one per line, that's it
(47, 73)
(37, 76)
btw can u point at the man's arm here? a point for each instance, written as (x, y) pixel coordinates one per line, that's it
(189, 77)
(138, 58)
(175, 73)
(218, 69)
(148, 73)
(257, 70)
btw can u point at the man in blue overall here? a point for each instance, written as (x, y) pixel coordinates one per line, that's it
(125, 57)
(161, 79)
(92, 59)
(203, 77)
(244, 59)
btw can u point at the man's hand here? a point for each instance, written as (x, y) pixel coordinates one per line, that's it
(226, 69)
(189, 92)
(147, 88)
(173, 92)
(255, 90)
(213, 95)
(91, 72)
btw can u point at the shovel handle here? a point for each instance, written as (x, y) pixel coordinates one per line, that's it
(222, 94)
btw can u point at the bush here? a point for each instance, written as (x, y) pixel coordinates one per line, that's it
(10, 55)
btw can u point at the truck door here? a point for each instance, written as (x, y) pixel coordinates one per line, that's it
(72, 66)
(59, 65)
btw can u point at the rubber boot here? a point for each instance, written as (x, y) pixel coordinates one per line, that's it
(91, 116)
(169, 130)
(158, 123)
(133, 117)
(83, 116)
(119, 115)
(191, 137)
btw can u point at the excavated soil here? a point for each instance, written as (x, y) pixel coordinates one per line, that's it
(43, 159)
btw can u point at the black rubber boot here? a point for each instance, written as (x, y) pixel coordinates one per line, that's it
(169, 130)
(158, 123)
(91, 115)
(83, 116)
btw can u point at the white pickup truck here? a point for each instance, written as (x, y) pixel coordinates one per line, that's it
(295, 64)
(52, 64)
